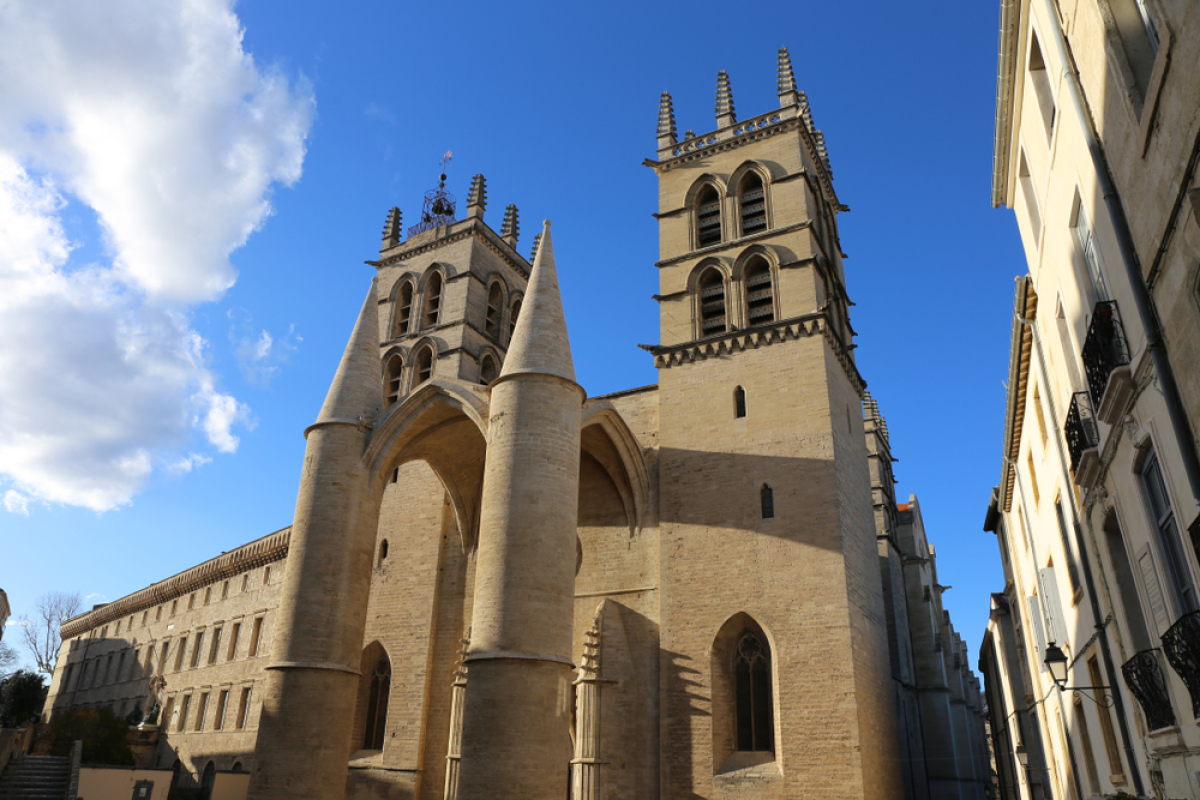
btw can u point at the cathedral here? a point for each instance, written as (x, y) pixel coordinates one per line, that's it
(496, 586)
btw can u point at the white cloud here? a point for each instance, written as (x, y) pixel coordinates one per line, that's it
(16, 503)
(152, 115)
(188, 463)
(259, 354)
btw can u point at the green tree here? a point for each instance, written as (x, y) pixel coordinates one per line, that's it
(22, 695)
(103, 733)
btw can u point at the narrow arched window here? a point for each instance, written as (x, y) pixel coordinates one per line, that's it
(487, 369)
(209, 776)
(433, 300)
(395, 366)
(712, 302)
(377, 705)
(424, 365)
(491, 326)
(383, 551)
(512, 317)
(739, 402)
(404, 317)
(752, 203)
(752, 674)
(760, 299)
(708, 217)
(767, 497)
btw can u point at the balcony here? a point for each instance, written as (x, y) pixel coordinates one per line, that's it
(1181, 644)
(1145, 681)
(1106, 362)
(1083, 440)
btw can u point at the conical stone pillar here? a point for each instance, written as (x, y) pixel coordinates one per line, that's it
(516, 741)
(312, 681)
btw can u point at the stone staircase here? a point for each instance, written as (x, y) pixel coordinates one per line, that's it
(36, 778)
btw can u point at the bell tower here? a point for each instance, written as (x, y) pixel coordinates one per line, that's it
(768, 501)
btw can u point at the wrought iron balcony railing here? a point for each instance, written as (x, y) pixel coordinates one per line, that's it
(1145, 680)
(1081, 430)
(1181, 644)
(1105, 348)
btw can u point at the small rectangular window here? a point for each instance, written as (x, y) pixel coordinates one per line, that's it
(162, 659)
(233, 640)
(1039, 77)
(198, 649)
(208, 595)
(266, 576)
(245, 581)
(1085, 237)
(174, 607)
(225, 590)
(191, 601)
(1033, 481)
(222, 702)
(768, 502)
(200, 711)
(1072, 570)
(1031, 202)
(183, 712)
(255, 635)
(179, 650)
(216, 646)
(243, 708)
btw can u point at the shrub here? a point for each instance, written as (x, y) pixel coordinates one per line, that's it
(103, 733)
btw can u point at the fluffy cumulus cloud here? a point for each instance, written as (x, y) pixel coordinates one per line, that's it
(152, 116)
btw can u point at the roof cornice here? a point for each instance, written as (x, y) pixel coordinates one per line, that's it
(1006, 82)
(1019, 359)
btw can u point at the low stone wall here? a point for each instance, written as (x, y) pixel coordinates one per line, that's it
(121, 783)
(14, 742)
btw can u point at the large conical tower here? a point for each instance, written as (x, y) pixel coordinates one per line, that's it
(768, 512)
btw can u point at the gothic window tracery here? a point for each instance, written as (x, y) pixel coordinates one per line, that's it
(752, 675)
(377, 704)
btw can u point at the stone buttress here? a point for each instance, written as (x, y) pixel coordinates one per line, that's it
(304, 732)
(516, 737)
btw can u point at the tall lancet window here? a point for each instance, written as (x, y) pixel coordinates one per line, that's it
(708, 217)
(491, 325)
(712, 302)
(760, 299)
(752, 673)
(424, 365)
(767, 498)
(377, 705)
(752, 203)
(404, 317)
(433, 300)
(395, 366)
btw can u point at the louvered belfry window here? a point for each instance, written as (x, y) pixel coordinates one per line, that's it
(708, 217)
(752, 673)
(394, 367)
(491, 326)
(487, 370)
(712, 303)
(753, 205)
(406, 301)
(433, 300)
(424, 365)
(760, 299)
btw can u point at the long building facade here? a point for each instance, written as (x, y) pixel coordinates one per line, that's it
(496, 586)
(1097, 514)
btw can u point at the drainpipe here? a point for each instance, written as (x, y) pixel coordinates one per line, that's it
(1085, 567)
(1141, 295)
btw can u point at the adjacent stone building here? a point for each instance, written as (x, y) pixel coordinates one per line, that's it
(1097, 513)
(496, 586)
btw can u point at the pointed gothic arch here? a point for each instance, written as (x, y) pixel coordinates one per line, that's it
(496, 301)
(374, 697)
(404, 297)
(744, 692)
(711, 293)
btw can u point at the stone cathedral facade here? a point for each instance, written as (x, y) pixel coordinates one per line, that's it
(496, 586)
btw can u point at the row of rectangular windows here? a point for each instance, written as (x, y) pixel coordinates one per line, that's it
(89, 675)
(102, 632)
(218, 722)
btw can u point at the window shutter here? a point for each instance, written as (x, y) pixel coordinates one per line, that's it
(1054, 611)
(1158, 605)
(1039, 632)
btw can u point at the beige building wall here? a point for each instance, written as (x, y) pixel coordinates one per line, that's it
(1098, 487)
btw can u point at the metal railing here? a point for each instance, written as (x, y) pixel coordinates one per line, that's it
(1181, 644)
(1080, 428)
(1105, 348)
(1145, 680)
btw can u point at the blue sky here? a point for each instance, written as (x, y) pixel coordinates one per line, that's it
(183, 226)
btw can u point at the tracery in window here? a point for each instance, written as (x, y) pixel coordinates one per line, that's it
(404, 316)
(495, 303)
(752, 675)
(395, 367)
(433, 301)
(760, 297)
(377, 705)
(752, 203)
(708, 217)
(712, 302)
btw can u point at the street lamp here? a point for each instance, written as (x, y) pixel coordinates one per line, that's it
(1056, 661)
(1022, 755)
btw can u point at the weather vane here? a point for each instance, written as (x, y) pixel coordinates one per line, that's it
(439, 204)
